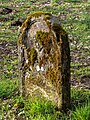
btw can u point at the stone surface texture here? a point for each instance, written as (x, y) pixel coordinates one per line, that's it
(44, 59)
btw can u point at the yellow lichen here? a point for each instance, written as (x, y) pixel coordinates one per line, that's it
(32, 56)
(38, 14)
(41, 37)
(52, 76)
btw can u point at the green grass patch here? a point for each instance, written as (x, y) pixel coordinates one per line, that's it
(82, 113)
(79, 96)
(42, 109)
(39, 109)
(8, 88)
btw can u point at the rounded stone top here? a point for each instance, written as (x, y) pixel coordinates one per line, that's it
(52, 22)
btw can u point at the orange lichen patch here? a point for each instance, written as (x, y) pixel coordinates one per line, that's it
(52, 75)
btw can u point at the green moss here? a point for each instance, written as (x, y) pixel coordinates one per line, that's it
(47, 17)
(42, 37)
(22, 37)
(38, 14)
(32, 56)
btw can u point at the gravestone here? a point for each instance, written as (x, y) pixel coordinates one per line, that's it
(44, 59)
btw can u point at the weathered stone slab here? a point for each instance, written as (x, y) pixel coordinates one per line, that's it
(44, 59)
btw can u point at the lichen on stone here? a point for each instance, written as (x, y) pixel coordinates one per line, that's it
(32, 56)
(45, 57)
(42, 37)
(28, 21)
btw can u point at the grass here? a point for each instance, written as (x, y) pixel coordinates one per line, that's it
(82, 113)
(75, 19)
(39, 109)
(7, 88)
(35, 109)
